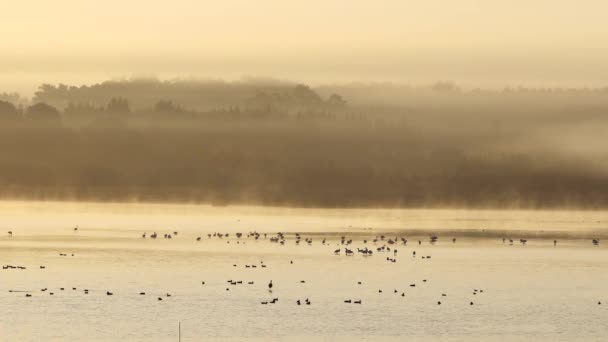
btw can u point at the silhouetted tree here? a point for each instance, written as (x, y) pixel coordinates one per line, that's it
(8, 112)
(302, 94)
(119, 106)
(336, 101)
(44, 114)
(164, 106)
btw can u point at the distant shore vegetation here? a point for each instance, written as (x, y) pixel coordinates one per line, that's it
(281, 143)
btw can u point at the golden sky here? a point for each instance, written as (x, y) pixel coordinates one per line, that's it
(469, 41)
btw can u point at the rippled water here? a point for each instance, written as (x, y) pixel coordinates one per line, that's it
(533, 292)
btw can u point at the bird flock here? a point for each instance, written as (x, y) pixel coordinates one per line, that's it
(367, 248)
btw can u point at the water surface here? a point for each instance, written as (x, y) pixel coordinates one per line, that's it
(534, 292)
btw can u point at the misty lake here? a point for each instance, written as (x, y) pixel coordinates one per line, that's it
(477, 287)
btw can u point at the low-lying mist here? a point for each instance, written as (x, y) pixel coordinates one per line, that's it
(280, 143)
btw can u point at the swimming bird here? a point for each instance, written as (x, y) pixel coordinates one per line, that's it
(270, 286)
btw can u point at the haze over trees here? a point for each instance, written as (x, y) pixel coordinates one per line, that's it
(281, 143)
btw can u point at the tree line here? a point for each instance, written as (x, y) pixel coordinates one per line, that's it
(286, 144)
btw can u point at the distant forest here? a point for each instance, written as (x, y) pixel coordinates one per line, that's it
(280, 143)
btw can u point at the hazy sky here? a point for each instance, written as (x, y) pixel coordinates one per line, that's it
(485, 42)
